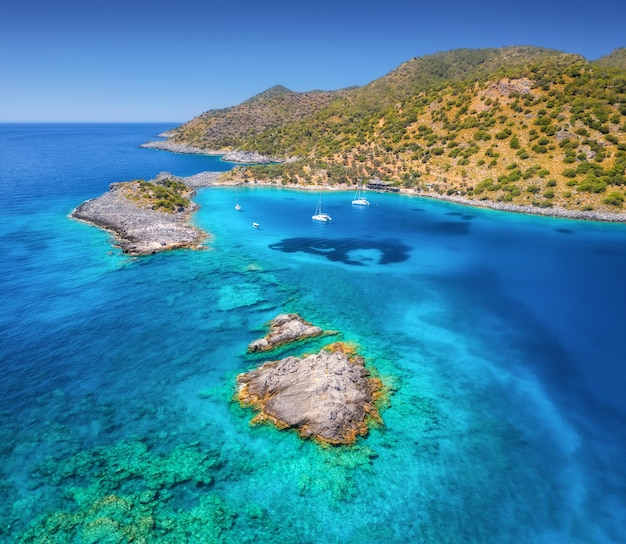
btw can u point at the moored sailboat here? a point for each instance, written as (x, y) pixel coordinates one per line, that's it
(358, 199)
(319, 215)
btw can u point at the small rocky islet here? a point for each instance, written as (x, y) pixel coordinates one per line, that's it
(284, 329)
(148, 217)
(328, 396)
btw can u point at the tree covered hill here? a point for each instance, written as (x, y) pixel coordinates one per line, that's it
(524, 125)
(617, 59)
(230, 128)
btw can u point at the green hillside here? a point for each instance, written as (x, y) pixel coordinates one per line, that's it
(524, 125)
(616, 59)
(231, 128)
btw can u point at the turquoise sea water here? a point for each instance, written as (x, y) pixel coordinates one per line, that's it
(499, 337)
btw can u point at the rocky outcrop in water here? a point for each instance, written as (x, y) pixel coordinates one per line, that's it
(140, 230)
(328, 396)
(285, 328)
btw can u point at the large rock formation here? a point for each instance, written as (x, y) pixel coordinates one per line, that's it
(328, 396)
(285, 328)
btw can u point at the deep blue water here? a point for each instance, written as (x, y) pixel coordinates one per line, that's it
(499, 337)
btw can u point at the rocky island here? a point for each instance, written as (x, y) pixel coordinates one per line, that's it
(285, 328)
(327, 396)
(147, 216)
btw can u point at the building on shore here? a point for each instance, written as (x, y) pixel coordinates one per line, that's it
(379, 185)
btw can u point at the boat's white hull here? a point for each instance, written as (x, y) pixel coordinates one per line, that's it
(321, 217)
(360, 202)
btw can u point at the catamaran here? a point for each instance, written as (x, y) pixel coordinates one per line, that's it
(358, 199)
(319, 215)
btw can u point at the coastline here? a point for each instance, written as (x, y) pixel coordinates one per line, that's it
(246, 157)
(557, 212)
(172, 147)
(561, 213)
(143, 231)
(240, 157)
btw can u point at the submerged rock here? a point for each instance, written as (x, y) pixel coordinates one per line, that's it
(285, 328)
(328, 396)
(127, 488)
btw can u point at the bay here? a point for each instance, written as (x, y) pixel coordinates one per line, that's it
(499, 338)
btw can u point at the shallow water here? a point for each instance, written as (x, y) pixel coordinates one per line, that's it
(498, 337)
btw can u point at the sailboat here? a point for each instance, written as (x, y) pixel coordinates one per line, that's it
(319, 215)
(237, 205)
(358, 199)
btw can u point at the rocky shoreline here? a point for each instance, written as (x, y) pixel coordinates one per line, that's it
(554, 211)
(166, 145)
(242, 157)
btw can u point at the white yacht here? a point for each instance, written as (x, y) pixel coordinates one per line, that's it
(358, 199)
(319, 215)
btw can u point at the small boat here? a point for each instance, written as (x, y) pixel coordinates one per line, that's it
(238, 207)
(319, 215)
(255, 225)
(358, 199)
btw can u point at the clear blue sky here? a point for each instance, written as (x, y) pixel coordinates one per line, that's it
(139, 60)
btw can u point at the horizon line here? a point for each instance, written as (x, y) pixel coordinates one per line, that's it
(87, 122)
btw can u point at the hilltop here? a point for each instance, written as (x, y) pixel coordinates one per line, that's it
(523, 126)
(230, 128)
